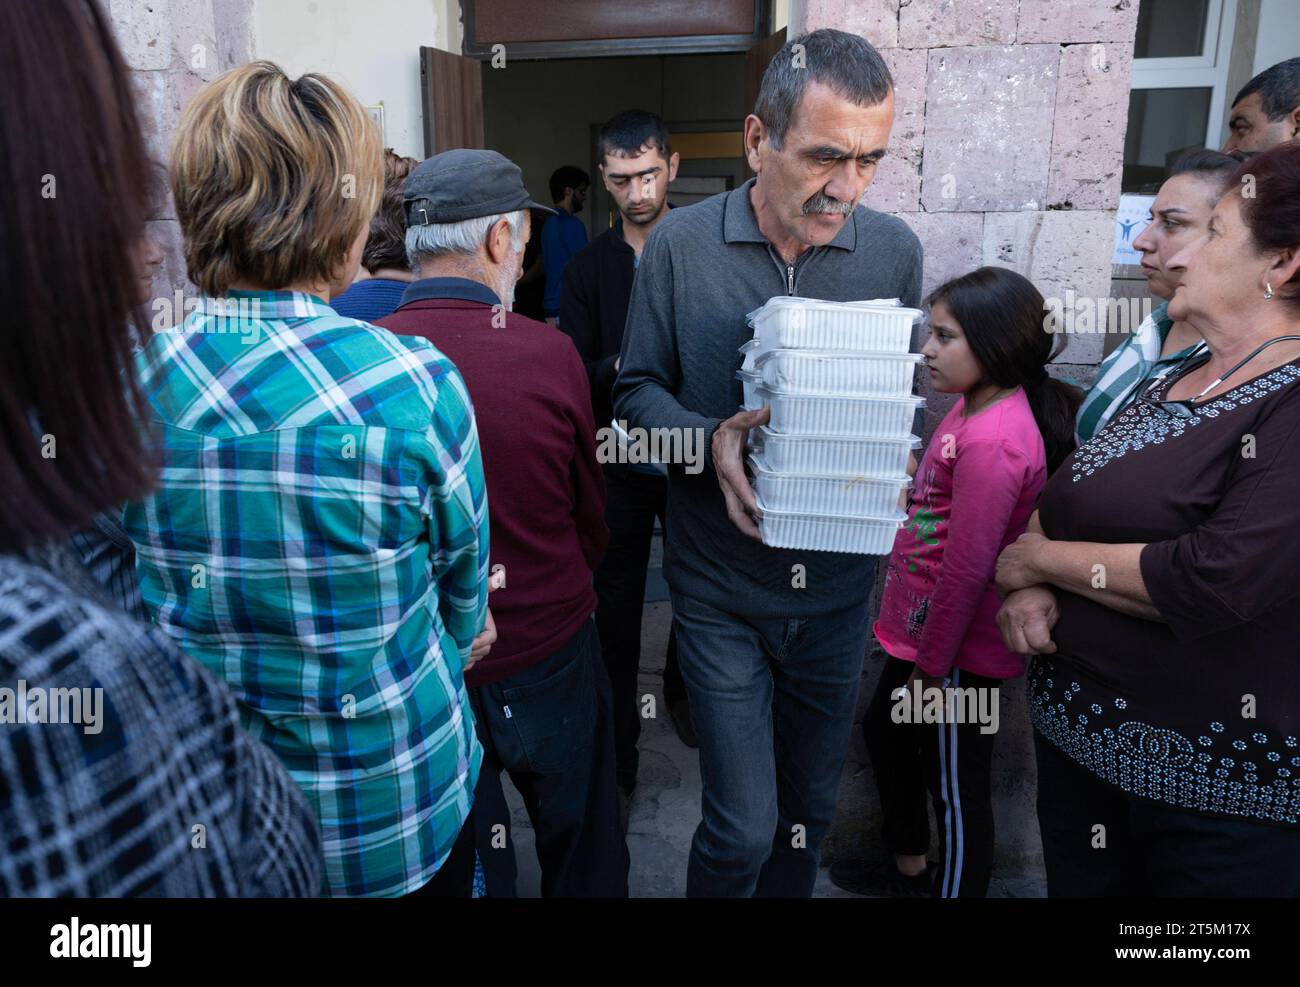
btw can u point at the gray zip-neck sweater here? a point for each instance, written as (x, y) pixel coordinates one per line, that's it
(704, 267)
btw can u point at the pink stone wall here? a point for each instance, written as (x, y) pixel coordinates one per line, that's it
(1008, 138)
(172, 48)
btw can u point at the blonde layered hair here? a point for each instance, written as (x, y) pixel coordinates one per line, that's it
(274, 179)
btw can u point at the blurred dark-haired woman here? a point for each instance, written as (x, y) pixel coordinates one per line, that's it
(123, 767)
(103, 546)
(1161, 592)
(976, 487)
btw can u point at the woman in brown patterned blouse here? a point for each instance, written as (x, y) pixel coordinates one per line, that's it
(1159, 586)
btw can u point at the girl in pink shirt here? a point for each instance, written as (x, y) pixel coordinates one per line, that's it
(975, 489)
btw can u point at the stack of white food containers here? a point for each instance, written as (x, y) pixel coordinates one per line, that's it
(831, 465)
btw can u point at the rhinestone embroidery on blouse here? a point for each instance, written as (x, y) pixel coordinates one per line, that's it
(1140, 425)
(1163, 765)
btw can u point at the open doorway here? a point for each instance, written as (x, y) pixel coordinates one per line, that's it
(542, 102)
(544, 114)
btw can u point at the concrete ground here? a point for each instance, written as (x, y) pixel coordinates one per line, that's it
(666, 805)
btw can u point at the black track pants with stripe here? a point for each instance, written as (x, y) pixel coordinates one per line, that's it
(958, 760)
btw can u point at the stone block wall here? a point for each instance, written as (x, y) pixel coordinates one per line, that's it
(1008, 137)
(172, 48)
(1006, 150)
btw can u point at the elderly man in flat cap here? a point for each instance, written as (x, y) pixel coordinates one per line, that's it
(542, 696)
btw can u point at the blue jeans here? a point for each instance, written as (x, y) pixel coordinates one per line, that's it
(773, 701)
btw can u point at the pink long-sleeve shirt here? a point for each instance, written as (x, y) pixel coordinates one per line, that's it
(975, 489)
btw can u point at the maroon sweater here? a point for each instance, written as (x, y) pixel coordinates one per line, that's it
(546, 495)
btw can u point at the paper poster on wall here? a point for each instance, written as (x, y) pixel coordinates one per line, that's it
(1130, 220)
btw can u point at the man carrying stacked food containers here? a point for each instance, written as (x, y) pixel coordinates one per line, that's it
(770, 640)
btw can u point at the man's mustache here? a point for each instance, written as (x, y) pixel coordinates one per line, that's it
(823, 203)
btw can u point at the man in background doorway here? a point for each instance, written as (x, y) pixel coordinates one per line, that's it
(530, 292)
(636, 164)
(1267, 110)
(563, 235)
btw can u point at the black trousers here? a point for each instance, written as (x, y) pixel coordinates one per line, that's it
(1147, 849)
(953, 761)
(632, 502)
(895, 752)
(550, 728)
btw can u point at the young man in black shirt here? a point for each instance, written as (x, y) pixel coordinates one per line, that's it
(637, 163)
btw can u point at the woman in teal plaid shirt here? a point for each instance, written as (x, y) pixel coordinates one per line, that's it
(319, 537)
(1178, 217)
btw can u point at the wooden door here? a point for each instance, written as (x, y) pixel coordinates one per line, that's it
(452, 90)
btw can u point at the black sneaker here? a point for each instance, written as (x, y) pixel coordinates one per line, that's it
(880, 878)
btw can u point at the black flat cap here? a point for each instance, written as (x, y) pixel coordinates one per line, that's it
(464, 183)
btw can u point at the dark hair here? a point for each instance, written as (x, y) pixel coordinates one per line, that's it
(1278, 87)
(845, 62)
(1211, 166)
(1001, 316)
(74, 179)
(386, 244)
(567, 176)
(631, 131)
(1272, 214)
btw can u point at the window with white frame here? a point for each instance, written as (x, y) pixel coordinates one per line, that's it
(1179, 90)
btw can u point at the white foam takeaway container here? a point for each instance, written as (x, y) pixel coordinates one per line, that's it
(828, 533)
(750, 383)
(881, 325)
(842, 374)
(834, 455)
(821, 414)
(810, 493)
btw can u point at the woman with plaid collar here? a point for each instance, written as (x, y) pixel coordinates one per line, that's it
(1178, 217)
